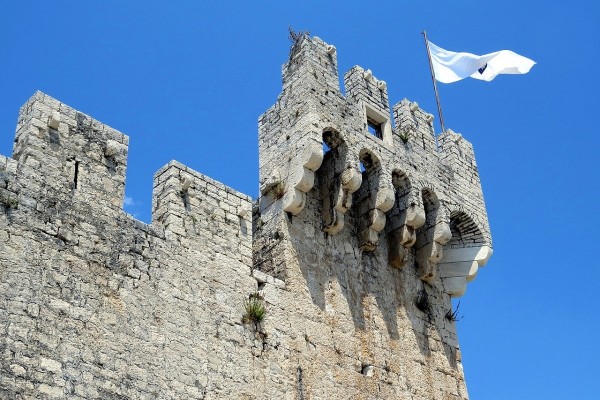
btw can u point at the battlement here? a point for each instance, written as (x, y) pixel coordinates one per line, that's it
(188, 204)
(63, 151)
(64, 158)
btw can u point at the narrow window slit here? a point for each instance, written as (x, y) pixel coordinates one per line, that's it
(76, 175)
(186, 200)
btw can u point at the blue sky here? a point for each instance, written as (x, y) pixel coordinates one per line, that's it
(188, 82)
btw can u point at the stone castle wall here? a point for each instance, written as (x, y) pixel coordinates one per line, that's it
(357, 244)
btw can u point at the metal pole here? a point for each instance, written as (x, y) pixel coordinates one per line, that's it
(437, 96)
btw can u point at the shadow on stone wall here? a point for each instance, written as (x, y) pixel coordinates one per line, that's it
(362, 276)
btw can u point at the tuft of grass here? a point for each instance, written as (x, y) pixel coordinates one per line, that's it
(254, 309)
(278, 190)
(8, 201)
(295, 38)
(404, 135)
(453, 316)
(422, 302)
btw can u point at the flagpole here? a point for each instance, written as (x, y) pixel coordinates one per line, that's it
(437, 96)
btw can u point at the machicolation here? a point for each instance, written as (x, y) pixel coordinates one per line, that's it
(335, 283)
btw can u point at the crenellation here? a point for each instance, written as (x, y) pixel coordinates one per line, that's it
(415, 126)
(187, 204)
(459, 155)
(310, 60)
(75, 153)
(362, 86)
(359, 239)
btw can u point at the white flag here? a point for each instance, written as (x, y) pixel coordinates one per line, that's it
(449, 66)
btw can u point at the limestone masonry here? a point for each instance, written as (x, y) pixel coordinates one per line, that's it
(363, 231)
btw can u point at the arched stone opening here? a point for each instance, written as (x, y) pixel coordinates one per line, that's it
(370, 162)
(371, 202)
(332, 140)
(401, 183)
(336, 181)
(464, 253)
(431, 204)
(465, 232)
(403, 219)
(434, 233)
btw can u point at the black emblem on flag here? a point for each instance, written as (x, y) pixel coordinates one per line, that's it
(482, 69)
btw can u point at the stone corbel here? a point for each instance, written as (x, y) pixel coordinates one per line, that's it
(460, 266)
(54, 120)
(339, 200)
(374, 218)
(404, 237)
(115, 150)
(430, 254)
(301, 177)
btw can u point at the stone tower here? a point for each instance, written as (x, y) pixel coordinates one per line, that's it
(366, 219)
(364, 229)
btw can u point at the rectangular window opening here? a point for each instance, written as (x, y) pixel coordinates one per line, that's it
(375, 128)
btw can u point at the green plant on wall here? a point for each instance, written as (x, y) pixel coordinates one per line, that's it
(453, 316)
(254, 309)
(8, 201)
(404, 135)
(278, 190)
